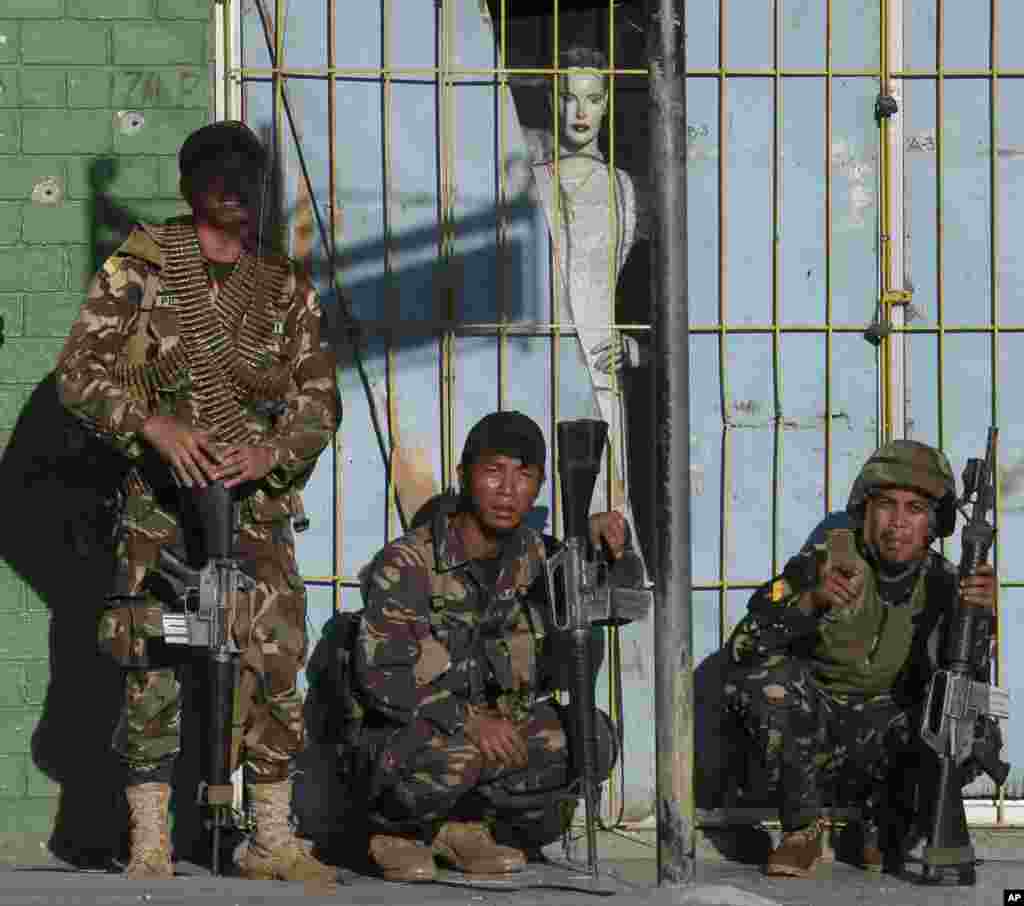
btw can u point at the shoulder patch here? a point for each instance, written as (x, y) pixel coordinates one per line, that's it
(113, 264)
(779, 590)
(141, 245)
(116, 269)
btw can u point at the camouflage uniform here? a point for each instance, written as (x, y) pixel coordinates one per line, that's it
(435, 644)
(834, 700)
(128, 358)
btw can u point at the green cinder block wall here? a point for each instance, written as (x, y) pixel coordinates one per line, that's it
(121, 82)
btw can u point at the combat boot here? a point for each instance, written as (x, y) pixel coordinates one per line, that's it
(401, 858)
(148, 804)
(274, 852)
(871, 856)
(469, 847)
(799, 852)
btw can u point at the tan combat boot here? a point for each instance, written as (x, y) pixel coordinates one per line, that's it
(871, 856)
(799, 852)
(402, 858)
(274, 852)
(148, 804)
(469, 847)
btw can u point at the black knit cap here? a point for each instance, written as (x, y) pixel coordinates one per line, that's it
(219, 139)
(508, 434)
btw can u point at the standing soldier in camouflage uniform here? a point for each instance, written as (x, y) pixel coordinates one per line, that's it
(833, 658)
(200, 360)
(450, 664)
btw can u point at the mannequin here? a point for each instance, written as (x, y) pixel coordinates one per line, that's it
(595, 222)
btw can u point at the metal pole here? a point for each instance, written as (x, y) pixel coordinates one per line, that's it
(673, 646)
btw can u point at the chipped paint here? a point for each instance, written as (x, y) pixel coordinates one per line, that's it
(1005, 152)
(923, 142)
(859, 174)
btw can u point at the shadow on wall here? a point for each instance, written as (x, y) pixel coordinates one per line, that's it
(59, 546)
(61, 485)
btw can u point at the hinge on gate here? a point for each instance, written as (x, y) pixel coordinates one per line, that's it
(877, 331)
(897, 297)
(885, 106)
(881, 327)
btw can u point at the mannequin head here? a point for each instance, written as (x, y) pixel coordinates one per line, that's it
(582, 99)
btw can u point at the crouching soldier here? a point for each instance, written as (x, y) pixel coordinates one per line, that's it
(463, 748)
(832, 662)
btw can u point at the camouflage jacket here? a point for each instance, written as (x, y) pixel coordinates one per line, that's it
(435, 640)
(97, 388)
(884, 649)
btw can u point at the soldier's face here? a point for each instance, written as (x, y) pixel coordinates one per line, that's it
(227, 192)
(896, 524)
(222, 207)
(503, 490)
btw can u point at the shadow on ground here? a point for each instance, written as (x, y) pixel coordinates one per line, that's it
(57, 541)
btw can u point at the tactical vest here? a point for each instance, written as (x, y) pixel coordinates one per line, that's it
(863, 649)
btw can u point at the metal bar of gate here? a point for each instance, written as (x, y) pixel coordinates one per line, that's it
(673, 649)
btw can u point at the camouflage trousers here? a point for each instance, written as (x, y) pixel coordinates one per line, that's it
(809, 740)
(269, 628)
(448, 777)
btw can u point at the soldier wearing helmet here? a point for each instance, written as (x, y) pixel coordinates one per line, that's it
(831, 663)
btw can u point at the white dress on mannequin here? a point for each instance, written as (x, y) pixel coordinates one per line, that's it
(597, 220)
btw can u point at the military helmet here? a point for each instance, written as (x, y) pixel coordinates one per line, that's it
(908, 464)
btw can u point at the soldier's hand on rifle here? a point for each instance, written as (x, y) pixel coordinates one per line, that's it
(839, 586)
(242, 463)
(497, 738)
(189, 452)
(979, 590)
(611, 530)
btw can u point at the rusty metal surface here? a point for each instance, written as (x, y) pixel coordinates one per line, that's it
(673, 651)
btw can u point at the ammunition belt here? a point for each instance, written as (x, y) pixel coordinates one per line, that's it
(226, 343)
(144, 380)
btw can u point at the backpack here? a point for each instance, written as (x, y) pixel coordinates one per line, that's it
(334, 713)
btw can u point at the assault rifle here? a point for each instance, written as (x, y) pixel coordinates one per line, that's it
(581, 596)
(956, 724)
(208, 597)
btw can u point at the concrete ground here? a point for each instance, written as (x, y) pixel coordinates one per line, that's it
(630, 859)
